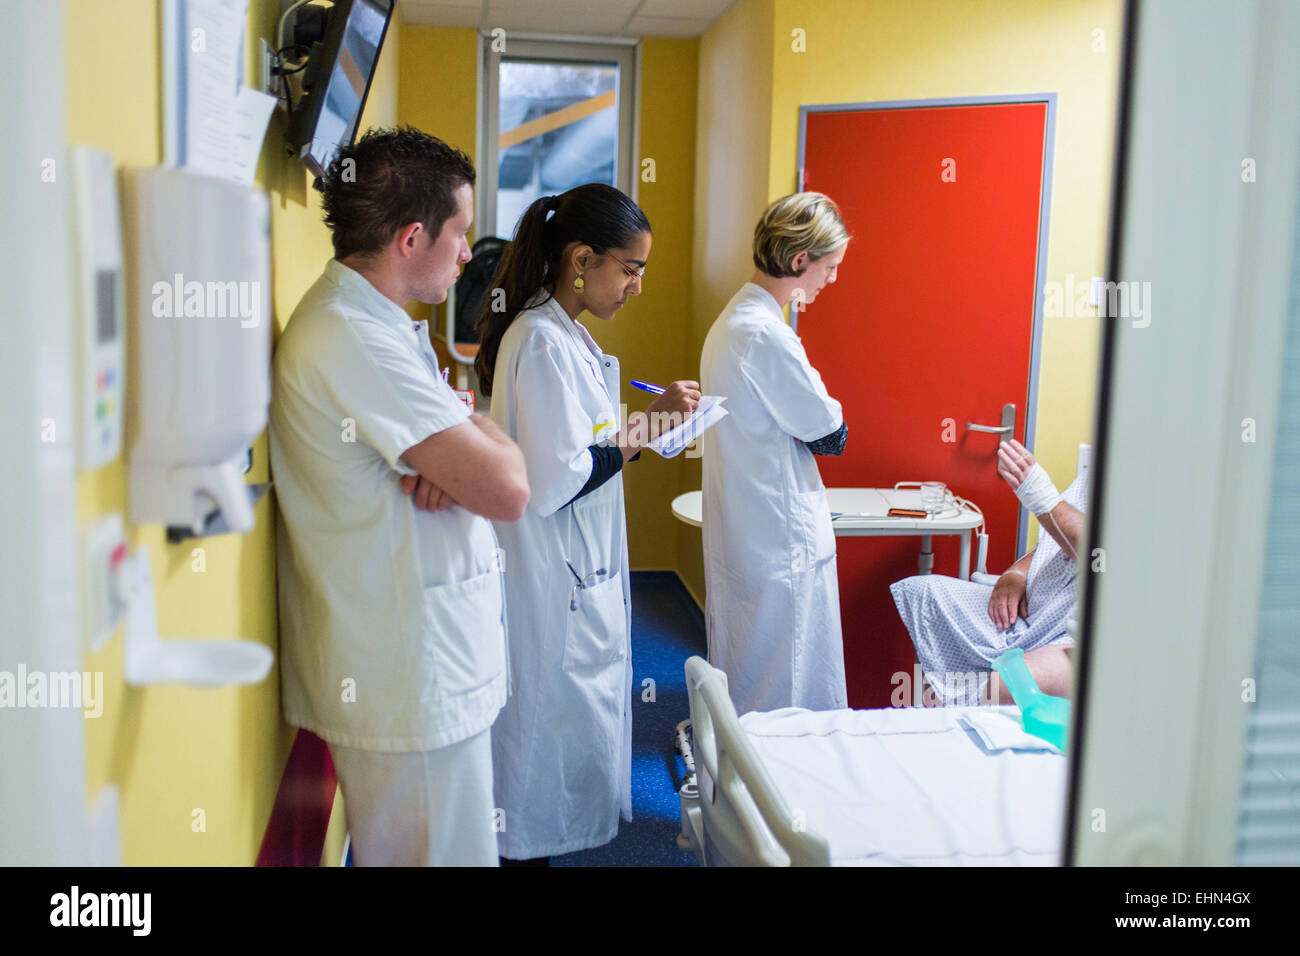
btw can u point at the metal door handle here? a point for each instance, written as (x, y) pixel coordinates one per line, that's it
(1006, 429)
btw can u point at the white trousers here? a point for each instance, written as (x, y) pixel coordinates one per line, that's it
(424, 808)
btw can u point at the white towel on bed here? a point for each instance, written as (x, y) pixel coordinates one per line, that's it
(1001, 729)
(913, 786)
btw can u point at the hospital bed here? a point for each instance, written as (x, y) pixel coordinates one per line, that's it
(897, 786)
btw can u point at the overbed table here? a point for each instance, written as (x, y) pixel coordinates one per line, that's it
(862, 512)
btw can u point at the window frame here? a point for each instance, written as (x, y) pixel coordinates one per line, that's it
(1161, 648)
(626, 53)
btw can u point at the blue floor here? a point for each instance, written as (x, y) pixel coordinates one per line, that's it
(667, 628)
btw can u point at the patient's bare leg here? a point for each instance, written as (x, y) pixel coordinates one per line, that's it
(1052, 671)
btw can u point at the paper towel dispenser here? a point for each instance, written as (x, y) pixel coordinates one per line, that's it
(200, 345)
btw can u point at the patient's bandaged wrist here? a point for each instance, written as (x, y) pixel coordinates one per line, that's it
(1037, 493)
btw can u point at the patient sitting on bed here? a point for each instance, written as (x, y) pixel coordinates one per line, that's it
(960, 627)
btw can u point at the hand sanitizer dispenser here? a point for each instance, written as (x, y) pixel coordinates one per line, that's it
(200, 344)
(101, 305)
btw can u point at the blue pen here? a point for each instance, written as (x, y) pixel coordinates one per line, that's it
(647, 387)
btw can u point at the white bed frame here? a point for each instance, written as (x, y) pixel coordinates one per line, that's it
(733, 814)
(747, 822)
(739, 816)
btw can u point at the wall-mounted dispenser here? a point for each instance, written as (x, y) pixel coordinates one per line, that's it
(200, 346)
(149, 659)
(100, 305)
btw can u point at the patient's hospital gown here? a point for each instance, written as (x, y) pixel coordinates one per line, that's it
(956, 641)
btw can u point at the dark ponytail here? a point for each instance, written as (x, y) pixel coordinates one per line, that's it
(595, 214)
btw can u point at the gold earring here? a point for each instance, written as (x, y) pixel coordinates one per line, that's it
(578, 284)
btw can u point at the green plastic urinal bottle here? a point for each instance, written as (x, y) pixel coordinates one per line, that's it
(1043, 715)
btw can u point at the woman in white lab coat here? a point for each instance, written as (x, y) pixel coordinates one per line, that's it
(772, 607)
(562, 744)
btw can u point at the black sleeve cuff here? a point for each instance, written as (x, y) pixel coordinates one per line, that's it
(832, 444)
(606, 462)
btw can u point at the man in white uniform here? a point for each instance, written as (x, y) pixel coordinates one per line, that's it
(772, 607)
(392, 644)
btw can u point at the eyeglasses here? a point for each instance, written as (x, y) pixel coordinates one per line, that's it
(631, 273)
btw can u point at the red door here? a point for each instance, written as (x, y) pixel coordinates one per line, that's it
(929, 326)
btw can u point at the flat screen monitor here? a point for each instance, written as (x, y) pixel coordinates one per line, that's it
(327, 117)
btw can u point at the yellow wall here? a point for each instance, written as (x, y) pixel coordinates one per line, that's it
(873, 50)
(173, 750)
(648, 333)
(733, 137)
(437, 90)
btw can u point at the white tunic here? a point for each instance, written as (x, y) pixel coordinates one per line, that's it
(562, 747)
(772, 607)
(391, 635)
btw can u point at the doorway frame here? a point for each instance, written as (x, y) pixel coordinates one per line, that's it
(43, 788)
(1159, 649)
(1044, 226)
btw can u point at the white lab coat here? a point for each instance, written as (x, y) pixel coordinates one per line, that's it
(390, 617)
(562, 746)
(772, 608)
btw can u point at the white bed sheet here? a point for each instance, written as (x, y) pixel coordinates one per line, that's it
(917, 786)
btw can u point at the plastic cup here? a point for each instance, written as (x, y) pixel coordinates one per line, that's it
(933, 495)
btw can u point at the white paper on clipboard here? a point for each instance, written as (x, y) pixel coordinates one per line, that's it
(707, 414)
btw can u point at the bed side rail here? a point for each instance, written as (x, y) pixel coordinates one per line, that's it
(748, 820)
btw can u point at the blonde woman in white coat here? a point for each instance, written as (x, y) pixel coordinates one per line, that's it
(772, 607)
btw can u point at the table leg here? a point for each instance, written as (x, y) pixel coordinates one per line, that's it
(926, 561)
(963, 569)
